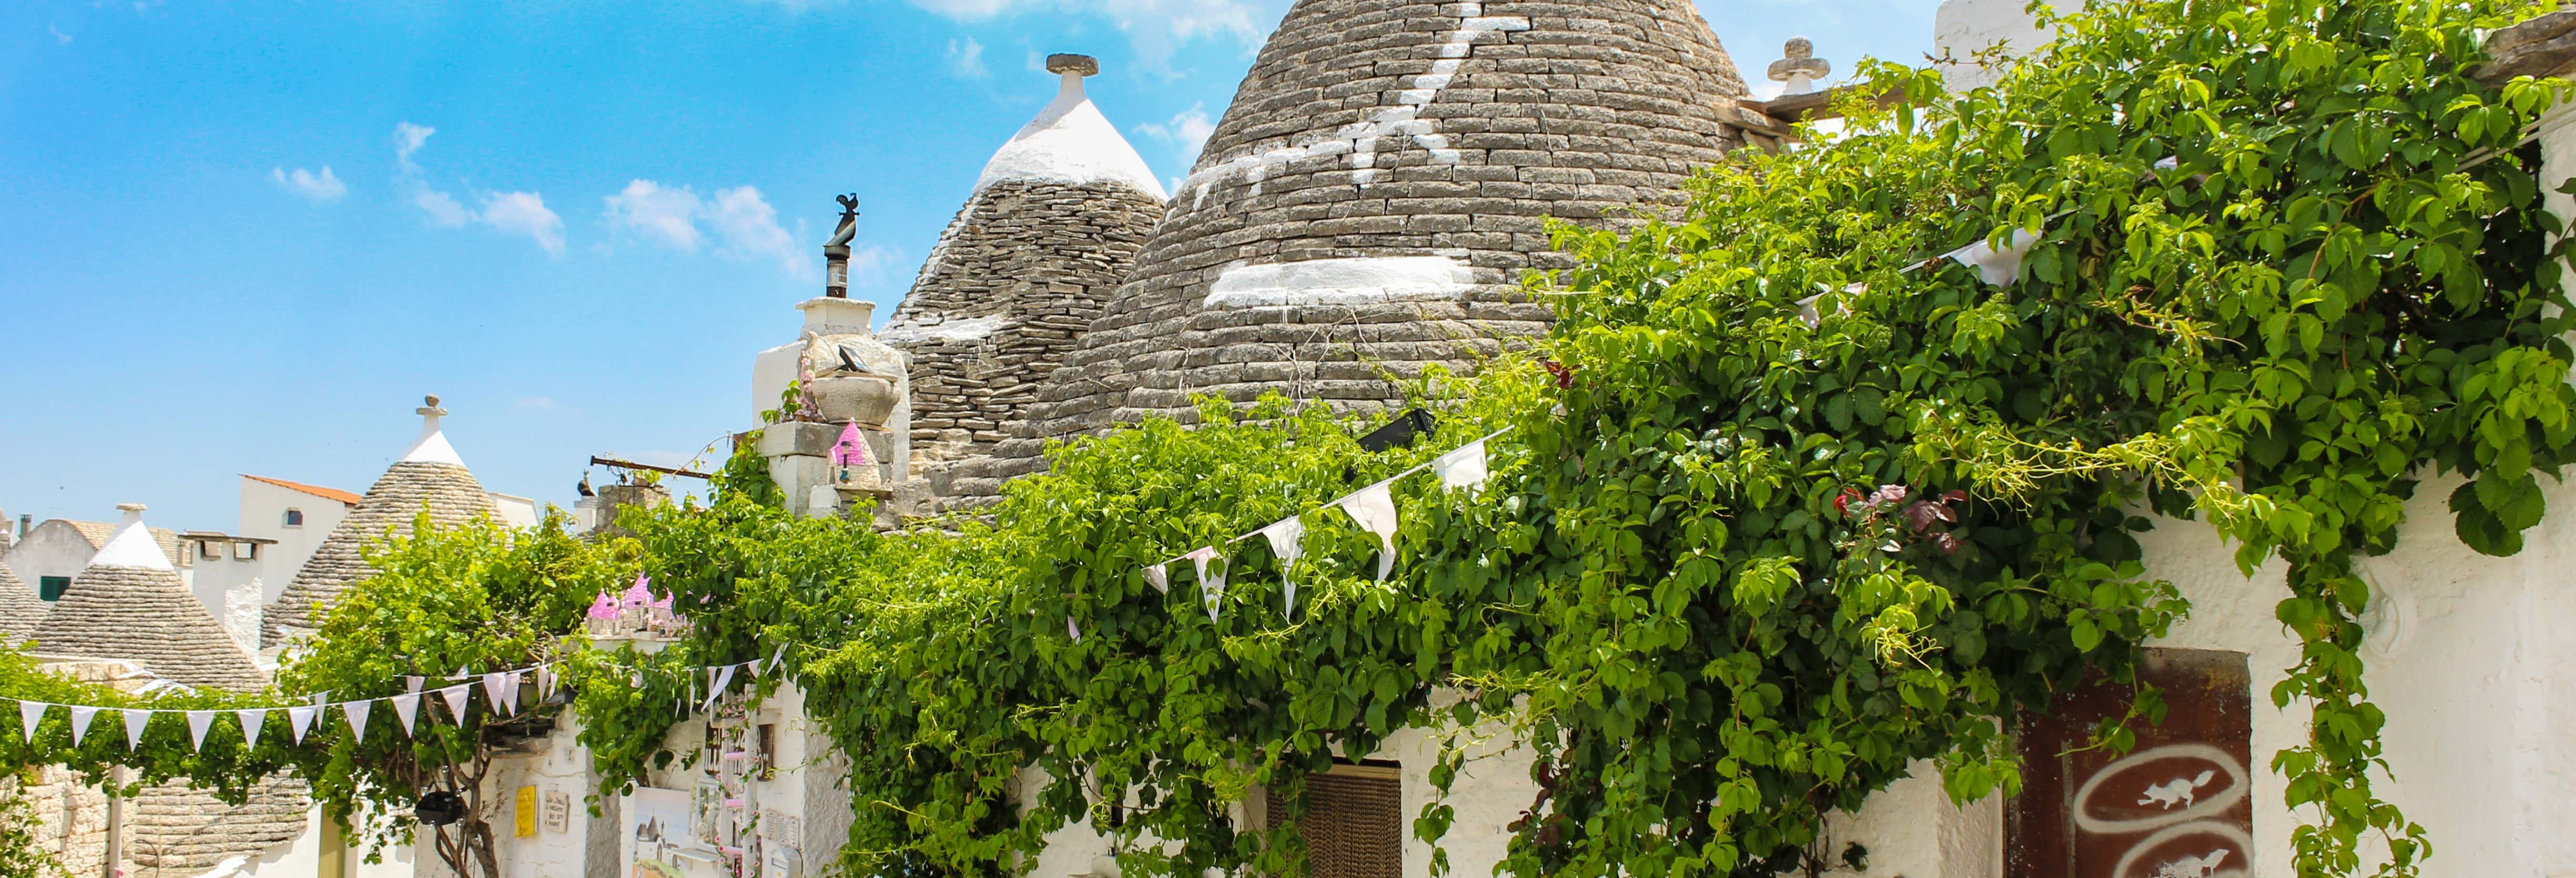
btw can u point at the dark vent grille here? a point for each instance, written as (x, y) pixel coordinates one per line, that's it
(1354, 823)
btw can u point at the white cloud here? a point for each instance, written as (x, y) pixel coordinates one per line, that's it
(319, 188)
(442, 208)
(749, 228)
(1188, 130)
(966, 58)
(668, 216)
(408, 139)
(60, 38)
(525, 213)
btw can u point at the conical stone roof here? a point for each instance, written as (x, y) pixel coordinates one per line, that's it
(429, 476)
(129, 604)
(1052, 227)
(1378, 184)
(20, 608)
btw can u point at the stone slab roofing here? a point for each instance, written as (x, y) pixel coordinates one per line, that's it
(129, 604)
(429, 477)
(20, 608)
(1380, 181)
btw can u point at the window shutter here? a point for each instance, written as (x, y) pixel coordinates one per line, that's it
(1354, 823)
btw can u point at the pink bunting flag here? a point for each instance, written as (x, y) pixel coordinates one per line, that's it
(406, 707)
(29, 714)
(1373, 507)
(251, 721)
(1211, 585)
(80, 722)
(356, 713)
(198, 722)
(1286, 536)
(455, 696)
(135, 722)
(300, 720)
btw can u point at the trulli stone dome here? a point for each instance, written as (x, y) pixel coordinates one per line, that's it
(20, 609)
(129, 604)
(1053, 225)
(428, 477)
(1376, 187)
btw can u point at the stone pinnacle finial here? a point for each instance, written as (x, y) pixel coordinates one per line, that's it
(1079, 65)
(132, 510)
(1801, 68)
(429, 407)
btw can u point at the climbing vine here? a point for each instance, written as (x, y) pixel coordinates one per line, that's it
(1782, 512)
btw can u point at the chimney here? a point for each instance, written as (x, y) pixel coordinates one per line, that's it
(25, 523)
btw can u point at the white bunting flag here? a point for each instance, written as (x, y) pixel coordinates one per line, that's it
(778, 657)
(80, 721)
(198, 722)
(455, 696)
(1159, 578)
(1211, 585)
(1374, 508)
(406, 707)
(356, 713)
(752, 666)
(545, 682)
(1463, 469)
(1072, 630)
(497, 684)
(412, 684)
(1997, 267)
(1286, 541)
(29, 714)
(716, 690)
(251, 721)
(300, 720)
(321, 698)
(135, 722)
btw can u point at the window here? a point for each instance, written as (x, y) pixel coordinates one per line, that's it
(52, 587)
(245, 551)
(1354, 824)
(206, 549)
(294, 517)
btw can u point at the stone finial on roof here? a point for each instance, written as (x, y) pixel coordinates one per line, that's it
(1801, 68)
(1076, 65)
(432, 445)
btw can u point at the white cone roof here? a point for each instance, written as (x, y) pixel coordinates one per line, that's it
(1070, 142)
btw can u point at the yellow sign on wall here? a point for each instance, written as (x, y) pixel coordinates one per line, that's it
(527, 816)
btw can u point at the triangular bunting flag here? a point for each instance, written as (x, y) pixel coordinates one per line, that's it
(754, 667)
(1286, 537)
(251, 721)
(1159, 578)
(406, 707)
(135, 722)
(300, 720)
(1211, 585)
(1072, 630)
(718, 690)
(356, 713)
(456, 696)
(80, 722)
(29, 714)
(1997, 267)
(1374, 508)
(321, 698)
(198, 722)
(545, 682)
(777, 658)
(1463, 469)
(413, 684)
(510, 690)
(493, 686)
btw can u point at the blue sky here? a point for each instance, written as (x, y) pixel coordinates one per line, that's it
(245, 237)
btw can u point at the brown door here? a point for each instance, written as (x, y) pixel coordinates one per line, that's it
(2176, 806)
(1354, 824)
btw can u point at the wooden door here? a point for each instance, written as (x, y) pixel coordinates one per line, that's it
(2176, 806)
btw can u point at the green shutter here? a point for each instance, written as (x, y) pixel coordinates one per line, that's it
(52, 587)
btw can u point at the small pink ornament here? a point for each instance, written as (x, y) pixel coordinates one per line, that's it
(852, 449)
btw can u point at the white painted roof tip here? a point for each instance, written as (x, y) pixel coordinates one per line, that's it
(431, 446)
(133, 545)
(1071, 142)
